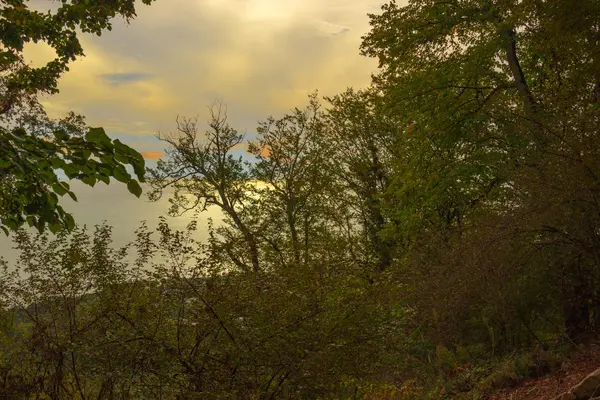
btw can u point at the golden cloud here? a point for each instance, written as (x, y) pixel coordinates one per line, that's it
(152, 155)
(261, 57)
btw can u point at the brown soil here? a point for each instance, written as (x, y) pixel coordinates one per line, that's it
(547, 387)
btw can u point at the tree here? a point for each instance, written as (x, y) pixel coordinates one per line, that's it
(363, 139)
(291, 161)
(498, 100)
(303, 322)
(33, 148)
(204, 173)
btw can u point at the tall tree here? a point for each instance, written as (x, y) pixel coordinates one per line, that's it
(499, 104)
(290, 160)
(362, 137)
(203, 172)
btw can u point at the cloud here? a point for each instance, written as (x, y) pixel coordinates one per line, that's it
(260, 57)
(102, 87)
(124, 78)
(152, 155)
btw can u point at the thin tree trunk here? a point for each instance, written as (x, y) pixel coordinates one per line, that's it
(530, 106)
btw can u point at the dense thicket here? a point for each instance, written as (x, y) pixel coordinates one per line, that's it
(447, 214)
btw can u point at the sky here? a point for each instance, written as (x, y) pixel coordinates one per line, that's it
(259, 57)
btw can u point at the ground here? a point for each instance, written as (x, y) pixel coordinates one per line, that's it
(547, 387)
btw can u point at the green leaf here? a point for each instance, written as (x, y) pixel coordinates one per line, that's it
(120, 174)
(54, 228)
(97, 135)
(134, 187)
(60, 134)
(59, 189)
(122, 158)
(108, 159)
(120, 147)
(135, 155)
(5, 164)
(72, 195)
(57, 163)
(52, 199)
(103, 178)
(89, 180)
(69, 222)
(139, 167)
(70, 170)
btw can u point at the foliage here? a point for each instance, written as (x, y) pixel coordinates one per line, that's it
(165, 324)
(31, 186)
(492, 148)
(33, 148)
(433, 235)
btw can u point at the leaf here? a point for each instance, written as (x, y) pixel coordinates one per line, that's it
(89, 180)
(139, 167)
(5, 164)
(70, 170)
(135, 155)
(69, 222)
(134, 187)
(72, 195)
(60, 134)
(120, 147)
(41, 225)
(57, 162)
(59, 189)
(103, 178)
(52, 199)
(97, 135)
(54, 228)
(120, 174)
(108, 159)
(120, 157)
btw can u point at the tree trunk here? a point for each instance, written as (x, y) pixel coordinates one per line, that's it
(530, 106)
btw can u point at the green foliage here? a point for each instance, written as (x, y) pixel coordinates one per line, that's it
(31, 187)
(32, 148)
(362, 138)
(492, 145)
(513, 370)
(166, 324)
